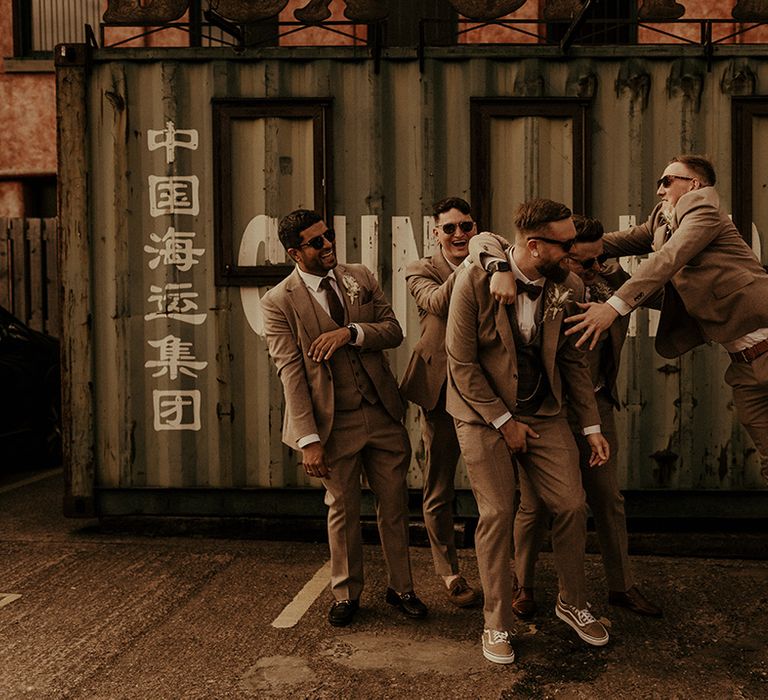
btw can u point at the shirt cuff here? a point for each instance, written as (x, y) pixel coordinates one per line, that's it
(467, 261)
(620, 306)
(591, 430)
(307, 440)
(360, 336)
(501, 420)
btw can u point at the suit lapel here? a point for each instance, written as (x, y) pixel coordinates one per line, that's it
(302, 302)
(352, 308)
(441, 265)
(550, 333)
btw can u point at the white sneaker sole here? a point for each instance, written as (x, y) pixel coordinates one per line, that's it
(589, 639)
(497, 659)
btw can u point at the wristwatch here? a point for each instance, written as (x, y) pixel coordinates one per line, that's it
(352, 333)
(498, 266)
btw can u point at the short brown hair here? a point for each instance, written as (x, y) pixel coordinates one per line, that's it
(701, 165)
(449, 203)
(536, 214)
(588, 230)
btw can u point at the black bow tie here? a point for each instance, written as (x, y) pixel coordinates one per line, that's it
(532, 290)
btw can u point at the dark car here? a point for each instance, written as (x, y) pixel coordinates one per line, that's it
(30, 391)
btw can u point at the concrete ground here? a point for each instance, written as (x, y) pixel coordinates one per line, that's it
(94, 615)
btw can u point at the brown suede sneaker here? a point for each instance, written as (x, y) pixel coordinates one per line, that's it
(462, 595)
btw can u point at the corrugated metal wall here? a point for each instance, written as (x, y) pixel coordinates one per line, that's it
(401, 139)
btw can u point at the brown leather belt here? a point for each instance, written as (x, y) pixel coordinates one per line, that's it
(750, 353)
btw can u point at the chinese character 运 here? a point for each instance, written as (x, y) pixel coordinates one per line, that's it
(174, 301)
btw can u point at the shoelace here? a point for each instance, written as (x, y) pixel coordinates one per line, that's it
(498, 637)
(585, 617)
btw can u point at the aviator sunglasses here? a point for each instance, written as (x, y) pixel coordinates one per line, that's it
(667, 179)
(317, 241)
(589, 263)
(450, 229)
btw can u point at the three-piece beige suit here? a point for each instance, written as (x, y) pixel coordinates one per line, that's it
(352, 402)
(714, 289)
(482, 386)
(600, 483)
(430, 282)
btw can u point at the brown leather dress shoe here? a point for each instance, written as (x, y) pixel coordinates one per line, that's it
(523, 604)
(407, 602)
(635, 601)
(342, 612)
(462, 595)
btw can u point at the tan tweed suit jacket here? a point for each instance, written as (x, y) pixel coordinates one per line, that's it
(291, 323)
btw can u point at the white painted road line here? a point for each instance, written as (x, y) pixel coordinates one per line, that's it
(31, 480)
(6, 598)
(294, 611)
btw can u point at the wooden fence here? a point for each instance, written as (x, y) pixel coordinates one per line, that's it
(29, 279)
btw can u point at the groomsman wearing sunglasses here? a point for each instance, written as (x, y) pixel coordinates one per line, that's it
(588, 260)
(430, 282)
(715, 289)
(508, 369)
(327, 326)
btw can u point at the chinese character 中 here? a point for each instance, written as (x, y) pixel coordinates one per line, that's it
(171, 138)
(173, 301)
(174, 194)
(176, 250)
(176, 410)
(175, 358)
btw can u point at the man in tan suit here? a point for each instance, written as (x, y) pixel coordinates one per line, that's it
(714, 287)
(327, 326)
(430, 282)
(508, 367)
(587, 259)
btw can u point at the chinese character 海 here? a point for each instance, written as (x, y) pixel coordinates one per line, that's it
(174, 301)
(175, 358)
(171, 138)
(174, 194)
(176, 410)
(176, 250)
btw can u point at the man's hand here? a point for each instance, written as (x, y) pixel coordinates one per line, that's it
(313, 459)
(503, 287)
(328, 343)
(516, 435)
(601, 450)
(596, 319)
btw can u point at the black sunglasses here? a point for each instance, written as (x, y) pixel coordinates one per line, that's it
(589, 263)
(667, 179)
(450, 229)
(565, 245)
(317, 241)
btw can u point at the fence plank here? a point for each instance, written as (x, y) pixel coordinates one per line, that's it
(19, 298)
(5, 282)
(35, 275)
(52, 305)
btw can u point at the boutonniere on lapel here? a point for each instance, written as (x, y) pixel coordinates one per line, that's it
(599, 291)
(352, 287)
(555, 299)
(668, 214)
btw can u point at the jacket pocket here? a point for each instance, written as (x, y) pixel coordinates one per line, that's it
(732, 284)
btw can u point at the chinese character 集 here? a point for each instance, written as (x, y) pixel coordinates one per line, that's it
(175, 358)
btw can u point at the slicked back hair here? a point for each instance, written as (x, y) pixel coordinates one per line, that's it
(449, 203)
(535, 214)
(290, 227)
(701, 165)
(588, 230)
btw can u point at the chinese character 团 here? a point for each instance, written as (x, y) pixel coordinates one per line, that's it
(174, 194)
(175, 358)
(171, 138)
(173, 301)
(176, 250)
(176, 410)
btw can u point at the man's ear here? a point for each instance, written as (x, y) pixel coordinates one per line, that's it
(293, 254)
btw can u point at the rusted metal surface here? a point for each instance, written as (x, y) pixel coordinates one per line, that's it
(401, 139)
